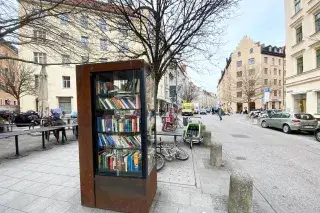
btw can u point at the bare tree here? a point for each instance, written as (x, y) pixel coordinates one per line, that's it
(189, 92)
(17, 79)
(167, 32)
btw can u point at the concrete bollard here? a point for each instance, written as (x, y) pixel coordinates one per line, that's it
(207, 138)
(203, 127)
(216, 154)
(240, 193)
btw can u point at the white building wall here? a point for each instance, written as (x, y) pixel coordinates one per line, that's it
(307, 83)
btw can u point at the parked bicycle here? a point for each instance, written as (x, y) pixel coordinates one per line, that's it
(171, 151)
(168, 126)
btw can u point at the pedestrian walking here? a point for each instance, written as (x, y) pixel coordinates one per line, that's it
(219, 110)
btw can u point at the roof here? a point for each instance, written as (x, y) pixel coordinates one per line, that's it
(9, 45)
(274, 51)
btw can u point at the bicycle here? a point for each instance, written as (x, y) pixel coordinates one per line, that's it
(171, 151)
(168, 126)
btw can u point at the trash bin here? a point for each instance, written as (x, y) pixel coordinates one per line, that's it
(185, 121)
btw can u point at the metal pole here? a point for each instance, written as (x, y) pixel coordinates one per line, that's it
(17, 145)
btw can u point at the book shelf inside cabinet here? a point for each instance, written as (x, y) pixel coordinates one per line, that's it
(120, 125)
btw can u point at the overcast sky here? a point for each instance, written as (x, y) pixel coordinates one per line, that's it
(261, 20)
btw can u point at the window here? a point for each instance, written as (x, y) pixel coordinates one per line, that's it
(64, 19)
(14, 102)
(66, 59)
(239, 63)
(239, 74)
(65, 104)
(40, 58)
(251, 82)
(84, 41)
(84, 59)
(299, 34)
(317, 22)
(251, 50)
(103, 60)
(239, 54)
(280, 92)
(266, 71)
(36, 81)
(64, 37)
(102, 25)
(84, 21)
(297, 5)
(124, 46)
(273, 107)
(275, 81)
(251, 60)
(318, 58)
(239, 94)
(251, 72)
(103, 44)
(300, 65)
(65, 81)
(39, 34)
(265, 60)
(274, 92)
(275, 71)
(239, 84)
(280, 72)
(280, 82)
(265, 82)
(279, 61)
(272, 61)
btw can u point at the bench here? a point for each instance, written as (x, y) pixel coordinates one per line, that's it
(16, 134)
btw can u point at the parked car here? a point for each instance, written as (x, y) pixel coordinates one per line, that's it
(291, 122)
(317, 133)
(203, 111)
(208, 110)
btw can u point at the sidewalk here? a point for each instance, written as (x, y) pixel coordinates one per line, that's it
(49, 182)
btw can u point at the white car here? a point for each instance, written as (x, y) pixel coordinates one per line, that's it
(203, 111)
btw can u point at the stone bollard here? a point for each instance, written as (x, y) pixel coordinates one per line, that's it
(240, 193)
(216, 154)
(207, 138)
(203, 127)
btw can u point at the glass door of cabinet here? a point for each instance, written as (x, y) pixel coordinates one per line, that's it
(120, 124)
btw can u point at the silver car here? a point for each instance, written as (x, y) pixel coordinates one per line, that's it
(291, 122)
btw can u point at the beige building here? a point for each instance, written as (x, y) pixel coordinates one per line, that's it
(253, 77)
(303, 55)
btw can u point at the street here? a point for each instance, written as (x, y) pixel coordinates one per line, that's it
(285, 168)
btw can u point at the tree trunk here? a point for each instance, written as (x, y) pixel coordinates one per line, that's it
(155, 105)
(18, 102)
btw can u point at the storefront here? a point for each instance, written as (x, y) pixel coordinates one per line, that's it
(300, 102)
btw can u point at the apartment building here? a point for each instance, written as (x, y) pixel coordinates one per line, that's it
(302, 18)
(7, 101)
(253, 77)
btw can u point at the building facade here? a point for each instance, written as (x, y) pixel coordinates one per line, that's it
(253, 77)
(302, 20)
(7, 101)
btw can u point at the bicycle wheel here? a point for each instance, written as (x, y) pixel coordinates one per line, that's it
(182, 154)
(160, 161)
(191, 144)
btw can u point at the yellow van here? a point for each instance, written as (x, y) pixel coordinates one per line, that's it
(187, 108)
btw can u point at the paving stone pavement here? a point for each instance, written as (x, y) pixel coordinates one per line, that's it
(48, 181)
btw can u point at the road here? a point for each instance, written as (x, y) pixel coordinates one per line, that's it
(285, 168)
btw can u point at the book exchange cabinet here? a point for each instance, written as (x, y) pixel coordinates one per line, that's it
(117, 161)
